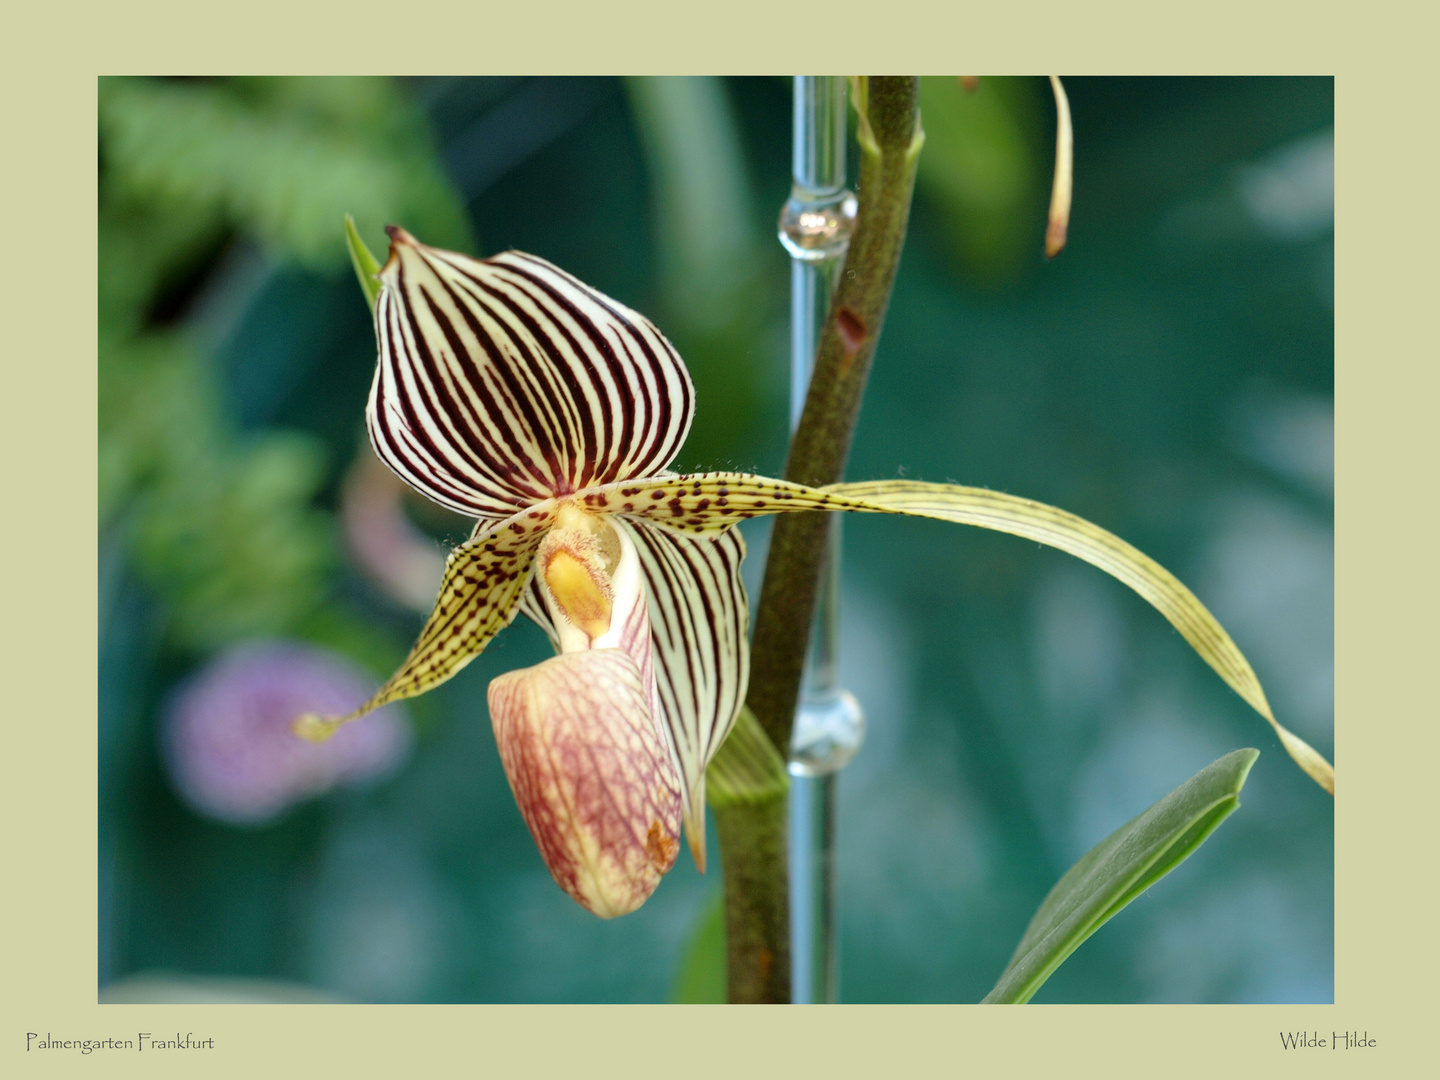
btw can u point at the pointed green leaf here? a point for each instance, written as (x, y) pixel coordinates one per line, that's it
(1120, 868)
(367, 269)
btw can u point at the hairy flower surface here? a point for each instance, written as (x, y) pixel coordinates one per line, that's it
(511, 392)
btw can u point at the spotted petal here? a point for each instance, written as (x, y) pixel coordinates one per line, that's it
(709, 503)
(479, 597)
(505, 381)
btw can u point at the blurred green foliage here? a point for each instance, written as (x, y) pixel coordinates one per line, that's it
(282, 158)
(714, 298)
(983, 169)
(222, 523)
(222, 526)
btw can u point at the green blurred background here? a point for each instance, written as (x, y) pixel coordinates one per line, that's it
(1169, 376)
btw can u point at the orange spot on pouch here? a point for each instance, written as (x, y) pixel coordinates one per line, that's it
(660, 846)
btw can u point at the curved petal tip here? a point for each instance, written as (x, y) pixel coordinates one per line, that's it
(315, 729)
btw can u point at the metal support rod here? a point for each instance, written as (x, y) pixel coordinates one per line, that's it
(815, 226)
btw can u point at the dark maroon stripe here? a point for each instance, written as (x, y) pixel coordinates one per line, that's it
(631, 388)
(401, 399)
(483, 452)
(472, 427)
(552, 433)
(674, 714)
(564, 364)
(565, 404)
(716, 648)
(569, 363)
(683, 632)
(603, 458)
(728, 551)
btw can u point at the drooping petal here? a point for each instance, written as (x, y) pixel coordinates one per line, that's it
(699, 617)
(708, 503)
(504, 381)
(1068, 532)
(591, 775)
(479, 596)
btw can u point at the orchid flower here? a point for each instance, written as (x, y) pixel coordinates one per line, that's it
(513, 393)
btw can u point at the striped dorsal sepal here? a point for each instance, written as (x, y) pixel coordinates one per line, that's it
(505, 381)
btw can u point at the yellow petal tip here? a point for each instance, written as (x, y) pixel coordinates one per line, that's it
(313, 728)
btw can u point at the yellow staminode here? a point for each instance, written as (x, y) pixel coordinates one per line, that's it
(577, 560)
(579, 592)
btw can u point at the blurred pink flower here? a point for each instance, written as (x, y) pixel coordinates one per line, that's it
(227, 741)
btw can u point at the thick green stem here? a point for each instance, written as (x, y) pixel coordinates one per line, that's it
(750, 795)
(747, 785)
(757, 902)
(889, 145)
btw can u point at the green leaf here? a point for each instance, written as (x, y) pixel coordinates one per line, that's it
(1120, 868)
(366, 268)
(701, 979)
